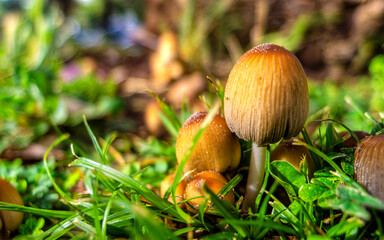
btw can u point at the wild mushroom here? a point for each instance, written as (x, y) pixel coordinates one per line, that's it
(152, 119)
(265, 100)
(194, 190)
(218, 149)
(369, 165)
(294, 154)
(11, 220)
(349, 141)
(179, 193)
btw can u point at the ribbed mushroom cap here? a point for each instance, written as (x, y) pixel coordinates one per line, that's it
(369, 165)
(218, 149)
(266, 96)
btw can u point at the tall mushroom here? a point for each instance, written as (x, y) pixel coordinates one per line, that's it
(265, 100)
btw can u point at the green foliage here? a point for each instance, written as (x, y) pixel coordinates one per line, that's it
(376, 69)
(197, 23)
(32, 97)
(32, 182)
(121, 201)
(285, 174)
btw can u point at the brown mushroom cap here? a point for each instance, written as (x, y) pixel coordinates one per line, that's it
(266, 95)
(286, 151)
(218, 149)
(167, 183)
(351, 142)
(214, 181)
(152, 119)
(11, 219)
(369, 165)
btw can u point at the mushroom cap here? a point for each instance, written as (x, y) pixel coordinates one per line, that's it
(287, 151)
(214, 181)
(266, 95)
(218, 149)
(179, 191)
(152, 119)
(11, 219)
(350, 142)
(369, 165)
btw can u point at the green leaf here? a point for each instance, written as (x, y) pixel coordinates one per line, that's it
(327, 199)
(325, 173)
(322, 181)
(359, 197)
(287, 176)
(318, 237)
(285, 213)
(311, 192)
(345, 227)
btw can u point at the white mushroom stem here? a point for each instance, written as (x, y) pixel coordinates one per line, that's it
(255, 174)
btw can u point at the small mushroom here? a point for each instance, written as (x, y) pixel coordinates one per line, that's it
(294, 154)
(163, 63)
(11, 220)
(218, 149)
(152, 119)
(350, 142)
(195, 191)
(369, 165)
(179, 193)
(266, 99)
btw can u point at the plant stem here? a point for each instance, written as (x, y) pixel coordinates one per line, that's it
(255, 174)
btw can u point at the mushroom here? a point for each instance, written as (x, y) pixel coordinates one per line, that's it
(194, 190)
(265, 100)
(218, 149)
(152, 119)
(294, 154)
(350, 141)
(11, 220)
(369, 165)
(167, 183)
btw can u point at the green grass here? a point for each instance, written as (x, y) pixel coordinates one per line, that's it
(117, 201)
(331, 205)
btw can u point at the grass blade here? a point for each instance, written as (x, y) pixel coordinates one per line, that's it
(228, 215)
(36, 211)
(95, 142)
(57, 188)
(120, 177)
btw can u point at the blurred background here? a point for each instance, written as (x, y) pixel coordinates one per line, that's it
(67, 58)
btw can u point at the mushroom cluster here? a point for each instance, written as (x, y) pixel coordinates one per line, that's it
(9, 220)
(216, 152)
(266, 99)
